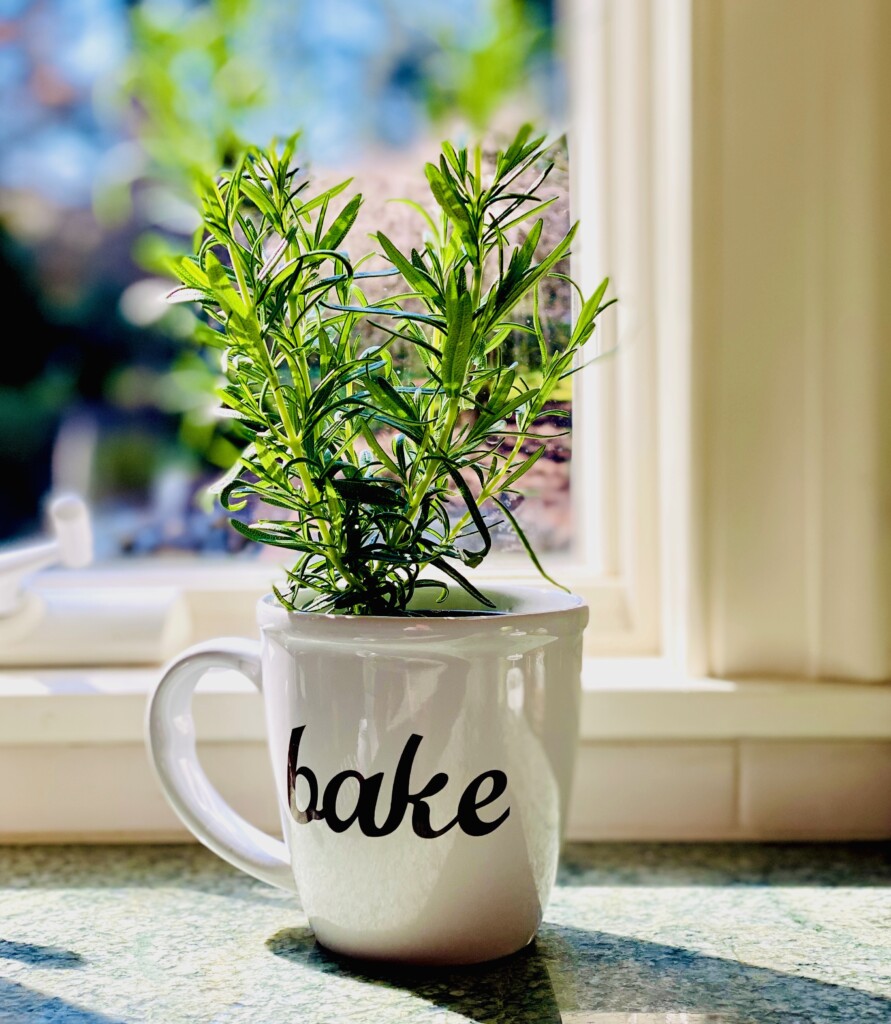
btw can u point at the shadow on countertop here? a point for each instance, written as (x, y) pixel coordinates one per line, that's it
(571, 974)
(20, 1003)
(39, 956)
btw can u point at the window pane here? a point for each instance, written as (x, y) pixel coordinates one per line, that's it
(106, 109)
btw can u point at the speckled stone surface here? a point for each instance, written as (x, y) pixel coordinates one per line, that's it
(635, 933)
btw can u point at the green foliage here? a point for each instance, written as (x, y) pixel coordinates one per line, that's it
(481, 74)
(364, 462)
(175, 58)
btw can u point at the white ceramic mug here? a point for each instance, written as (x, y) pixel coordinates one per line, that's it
(422, 768)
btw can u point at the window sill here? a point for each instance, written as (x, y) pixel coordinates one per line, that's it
(659, 758)
(624, 699)
(220, 596)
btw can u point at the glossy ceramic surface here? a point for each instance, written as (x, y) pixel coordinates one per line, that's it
(422, 765)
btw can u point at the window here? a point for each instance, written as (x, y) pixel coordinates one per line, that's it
(114, 404)
(132, 402)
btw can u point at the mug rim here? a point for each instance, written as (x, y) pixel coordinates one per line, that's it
(518, 602)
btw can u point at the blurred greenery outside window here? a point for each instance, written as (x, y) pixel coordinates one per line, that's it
(108, 111)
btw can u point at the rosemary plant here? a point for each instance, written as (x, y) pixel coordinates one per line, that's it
(364, 461)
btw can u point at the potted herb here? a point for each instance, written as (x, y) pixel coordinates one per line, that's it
(421, 727)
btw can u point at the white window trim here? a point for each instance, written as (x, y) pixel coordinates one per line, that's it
(660, 757)
(624, 699)
(616, 482)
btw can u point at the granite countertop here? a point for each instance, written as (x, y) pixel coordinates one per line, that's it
(644, 934)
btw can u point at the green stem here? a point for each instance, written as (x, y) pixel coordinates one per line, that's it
(492, 487)
(240, 277)
(298, 451)
(378, 449)
(433, 469)
(299, 371)
(477, 291)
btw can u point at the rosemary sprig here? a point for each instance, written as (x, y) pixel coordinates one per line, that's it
(363, 460)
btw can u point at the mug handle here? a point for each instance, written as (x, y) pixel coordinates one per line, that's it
(170, 736)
